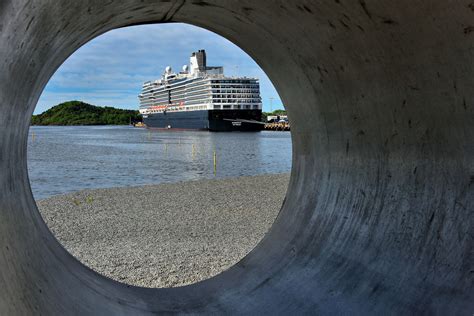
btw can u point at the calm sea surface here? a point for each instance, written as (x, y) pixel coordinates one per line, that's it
(67, 159)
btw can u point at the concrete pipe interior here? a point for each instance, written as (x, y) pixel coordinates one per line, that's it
(378, 216)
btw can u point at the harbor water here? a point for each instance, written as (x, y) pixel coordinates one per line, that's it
(64, 159)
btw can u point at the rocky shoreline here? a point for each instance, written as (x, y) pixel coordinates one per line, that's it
(166, 235)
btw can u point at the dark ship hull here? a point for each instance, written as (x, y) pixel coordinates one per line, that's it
(211, 120)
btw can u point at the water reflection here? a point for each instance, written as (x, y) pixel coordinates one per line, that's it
(66, 159)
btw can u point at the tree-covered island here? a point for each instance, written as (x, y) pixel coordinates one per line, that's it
(81, 113)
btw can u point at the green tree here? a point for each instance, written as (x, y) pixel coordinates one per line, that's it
(81, 113)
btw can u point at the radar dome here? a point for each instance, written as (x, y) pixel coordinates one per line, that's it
(168, 69)
(185, 68)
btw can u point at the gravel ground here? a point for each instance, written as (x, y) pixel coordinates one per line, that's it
(166, 235)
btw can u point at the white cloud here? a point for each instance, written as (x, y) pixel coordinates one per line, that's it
(110, 69)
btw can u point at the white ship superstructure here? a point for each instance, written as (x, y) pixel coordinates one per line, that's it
(199, 87)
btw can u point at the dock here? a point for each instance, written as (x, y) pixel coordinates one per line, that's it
(277, 126)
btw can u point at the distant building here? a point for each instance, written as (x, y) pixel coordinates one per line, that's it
(277, 118)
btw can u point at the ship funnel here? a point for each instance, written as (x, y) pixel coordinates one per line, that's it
(198, 61)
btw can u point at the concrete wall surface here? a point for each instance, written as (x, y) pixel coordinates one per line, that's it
(378, 216)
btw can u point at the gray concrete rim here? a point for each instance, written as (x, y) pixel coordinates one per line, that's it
(378, 215)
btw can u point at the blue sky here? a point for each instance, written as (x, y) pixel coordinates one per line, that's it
(110, 69)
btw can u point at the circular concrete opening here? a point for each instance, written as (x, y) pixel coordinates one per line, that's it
(377, 217)
(144, 206)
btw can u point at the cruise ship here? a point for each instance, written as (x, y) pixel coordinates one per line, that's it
(201, 97)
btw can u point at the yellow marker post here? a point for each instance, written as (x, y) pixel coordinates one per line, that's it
(193, 152)
(33, 136)
(215, 162)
